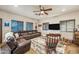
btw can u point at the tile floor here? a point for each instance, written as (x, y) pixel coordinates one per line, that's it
(31, 51)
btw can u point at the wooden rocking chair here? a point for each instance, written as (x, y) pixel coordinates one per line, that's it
(51, 42)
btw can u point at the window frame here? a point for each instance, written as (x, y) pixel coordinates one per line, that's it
(27, 25)
(66, 21)
(45, 26)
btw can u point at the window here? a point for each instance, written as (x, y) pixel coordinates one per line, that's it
(67, 26)
(20, 25)
(63, 26)
(70, 25)
(16, 26)
(29, 26)
(45, 26)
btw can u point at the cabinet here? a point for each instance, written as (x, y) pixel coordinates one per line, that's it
(76, 40)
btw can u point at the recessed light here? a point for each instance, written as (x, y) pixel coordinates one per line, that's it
(63, 10)
(15, 5)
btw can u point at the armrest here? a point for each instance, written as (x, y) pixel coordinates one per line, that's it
(22, 47)
(21, 37)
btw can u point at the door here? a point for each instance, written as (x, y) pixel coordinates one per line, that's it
(0, 30)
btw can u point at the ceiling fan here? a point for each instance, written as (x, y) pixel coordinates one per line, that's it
(42, 11)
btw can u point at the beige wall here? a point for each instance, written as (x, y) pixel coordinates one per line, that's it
(8, 17)
(57, 19)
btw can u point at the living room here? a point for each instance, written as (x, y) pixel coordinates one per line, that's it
(36, 24)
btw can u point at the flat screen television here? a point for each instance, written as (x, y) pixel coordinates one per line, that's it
(54, 26)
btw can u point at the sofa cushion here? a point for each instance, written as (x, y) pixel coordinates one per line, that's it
(24, 43)
(16, 35)
(34, 32)
(30, 33)
(22, 34)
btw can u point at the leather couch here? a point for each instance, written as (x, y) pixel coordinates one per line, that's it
(19, 46)
(23, 41)
(29, 34)
(23, 46)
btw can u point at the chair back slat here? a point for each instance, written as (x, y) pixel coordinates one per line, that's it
(52, 39)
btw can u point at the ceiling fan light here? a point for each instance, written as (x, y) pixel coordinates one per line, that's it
(42, 12)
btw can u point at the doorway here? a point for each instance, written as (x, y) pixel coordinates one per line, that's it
(0, 30)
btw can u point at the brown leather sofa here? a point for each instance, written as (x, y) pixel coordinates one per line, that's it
(23, 46)
(23, 42)
(29, 34)
(19, 46)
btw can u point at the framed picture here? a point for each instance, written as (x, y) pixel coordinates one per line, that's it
(6, 24)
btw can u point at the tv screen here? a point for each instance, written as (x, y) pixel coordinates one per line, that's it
(54, 26)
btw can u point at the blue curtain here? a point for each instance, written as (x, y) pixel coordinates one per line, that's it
(20, 26)
(29, 26)
(16, 26)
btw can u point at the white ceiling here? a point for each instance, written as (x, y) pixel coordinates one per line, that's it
(27, 10)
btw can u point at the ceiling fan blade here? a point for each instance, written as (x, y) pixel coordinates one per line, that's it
(37, 14)
(46, 13)
(40, 7)
(48, 9)
(43, 9)
(36, 11)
